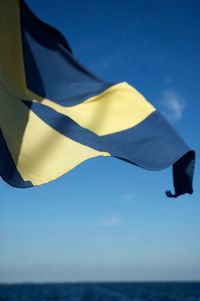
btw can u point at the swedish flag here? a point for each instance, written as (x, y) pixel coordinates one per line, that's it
(55, 114)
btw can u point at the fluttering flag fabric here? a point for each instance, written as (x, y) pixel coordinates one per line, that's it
(55, 114)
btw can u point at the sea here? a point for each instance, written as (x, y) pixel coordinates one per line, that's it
(110, 291)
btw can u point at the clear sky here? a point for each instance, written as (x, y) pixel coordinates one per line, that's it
(106, 219)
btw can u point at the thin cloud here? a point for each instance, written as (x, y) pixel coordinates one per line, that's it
(167, 80)
(127, 197)
(115, 60)
(112, 221)
(173, 105)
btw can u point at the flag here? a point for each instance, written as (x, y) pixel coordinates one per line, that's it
(56, 114)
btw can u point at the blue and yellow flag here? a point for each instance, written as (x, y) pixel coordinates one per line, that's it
(55, 114)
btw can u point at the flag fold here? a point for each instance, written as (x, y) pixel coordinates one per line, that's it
(56, 114)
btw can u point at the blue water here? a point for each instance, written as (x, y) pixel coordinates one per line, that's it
(165, 291)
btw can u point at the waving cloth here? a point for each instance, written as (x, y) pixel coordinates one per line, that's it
(55, 114)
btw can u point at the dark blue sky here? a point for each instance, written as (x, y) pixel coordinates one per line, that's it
(108, 220)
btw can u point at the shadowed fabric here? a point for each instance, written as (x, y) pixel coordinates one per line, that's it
(56, 114)
(50, 66)
(8, 170)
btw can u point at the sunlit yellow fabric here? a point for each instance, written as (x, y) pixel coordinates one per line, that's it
(118, 108)
(40, 153)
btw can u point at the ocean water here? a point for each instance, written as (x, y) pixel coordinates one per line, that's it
(116, 291)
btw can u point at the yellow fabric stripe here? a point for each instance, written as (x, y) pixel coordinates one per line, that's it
(118, 108)
(12, 76)
(40, 153)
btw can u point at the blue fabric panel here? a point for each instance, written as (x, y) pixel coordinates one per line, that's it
(50, 67)
(8, 170)
(67, 127)
(152, 144)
